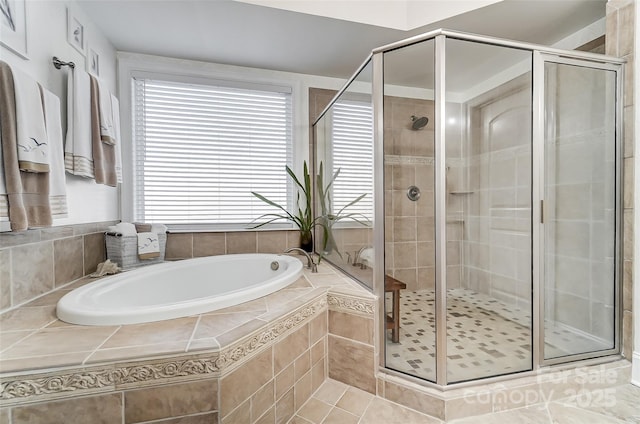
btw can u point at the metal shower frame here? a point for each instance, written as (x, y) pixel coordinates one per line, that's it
(541, 54)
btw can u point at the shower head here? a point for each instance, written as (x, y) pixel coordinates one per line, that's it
(418, 123)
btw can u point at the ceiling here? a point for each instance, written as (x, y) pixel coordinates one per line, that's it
(236, 33)
(397, 14)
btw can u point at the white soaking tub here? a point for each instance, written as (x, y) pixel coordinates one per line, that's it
(178, 289)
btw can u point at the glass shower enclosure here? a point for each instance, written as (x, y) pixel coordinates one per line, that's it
(488, 174)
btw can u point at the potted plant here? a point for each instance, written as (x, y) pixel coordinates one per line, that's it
(303, 218)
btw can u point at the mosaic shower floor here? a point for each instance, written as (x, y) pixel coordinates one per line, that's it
(485, 337)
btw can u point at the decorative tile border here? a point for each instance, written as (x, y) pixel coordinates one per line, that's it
(29, 389)
(238, 352)
(407, 160)
(100, 379)
(69, 383)
(194, 366)
(350, 304)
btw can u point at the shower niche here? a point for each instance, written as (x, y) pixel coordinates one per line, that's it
(493, 234)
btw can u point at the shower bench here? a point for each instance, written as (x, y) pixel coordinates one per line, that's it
(393, 286)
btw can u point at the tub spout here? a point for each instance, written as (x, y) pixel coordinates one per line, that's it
(358, 257)
(310, 263)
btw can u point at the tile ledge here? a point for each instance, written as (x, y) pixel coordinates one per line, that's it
(18, 387)
(54, 383)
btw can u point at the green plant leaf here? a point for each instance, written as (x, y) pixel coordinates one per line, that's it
(353, 202)
(277, 217)
(294, 178)
(272, 203)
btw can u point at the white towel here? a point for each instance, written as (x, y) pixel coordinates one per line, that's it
(33, 146)
(148, 245)
(158, 228)
(115, 105)
(78, 149)
(123, 228)
(57, 182)
(107, 129)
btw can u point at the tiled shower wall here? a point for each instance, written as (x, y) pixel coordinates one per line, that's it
(620, 43)
(497, 210)
(408, 161)
(409, 225)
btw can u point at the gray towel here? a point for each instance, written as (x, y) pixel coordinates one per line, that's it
(104, 155)
(27, 192)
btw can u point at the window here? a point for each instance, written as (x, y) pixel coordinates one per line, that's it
(201, 149)
(352, 153)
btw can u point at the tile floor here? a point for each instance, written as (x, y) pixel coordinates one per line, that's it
(485, 337)
(338, 403)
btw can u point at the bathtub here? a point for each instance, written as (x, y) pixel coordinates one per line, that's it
(178, 289)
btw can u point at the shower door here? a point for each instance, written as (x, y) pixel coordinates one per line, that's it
(580, 219)
(488, 214)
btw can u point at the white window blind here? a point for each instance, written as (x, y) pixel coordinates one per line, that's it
(352, 138)
(201, 149)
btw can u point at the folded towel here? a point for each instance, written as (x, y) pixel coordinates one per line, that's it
(33, 146)
(78, 150)
(158, 228)
(26, 193)
(57, 182)
(104, 155)
(141, 227)
(153, 228)
(148, 245)
(107, 129)
(115, 104)
(123, 228)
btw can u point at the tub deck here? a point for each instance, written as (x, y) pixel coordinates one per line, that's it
(33, 339)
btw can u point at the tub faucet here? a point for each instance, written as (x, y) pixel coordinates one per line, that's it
(357, 258)
(310, 263)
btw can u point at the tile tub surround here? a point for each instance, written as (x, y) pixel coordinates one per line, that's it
(195, 245)
(284, 333)
(353, 357)
(37, 262)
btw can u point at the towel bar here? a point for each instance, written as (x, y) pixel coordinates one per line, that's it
(59, 63)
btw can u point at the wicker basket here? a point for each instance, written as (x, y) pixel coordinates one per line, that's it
(123, 250)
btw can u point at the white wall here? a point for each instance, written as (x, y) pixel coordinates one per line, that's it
(47, 37)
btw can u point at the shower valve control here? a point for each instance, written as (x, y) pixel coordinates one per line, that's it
(413, 193)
